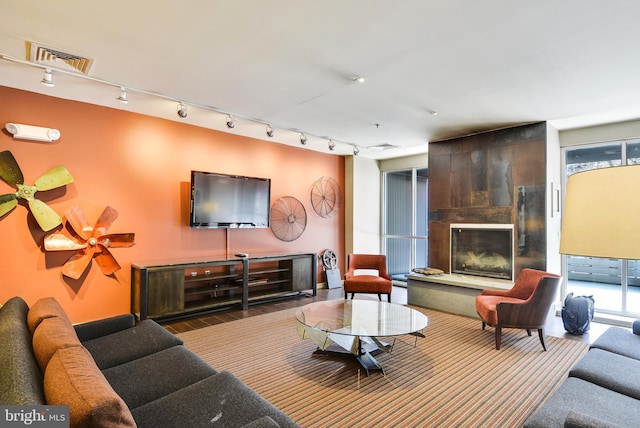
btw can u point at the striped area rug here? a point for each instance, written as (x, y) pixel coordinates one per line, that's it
(453, 377)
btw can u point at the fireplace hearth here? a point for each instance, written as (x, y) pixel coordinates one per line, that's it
(484, 250)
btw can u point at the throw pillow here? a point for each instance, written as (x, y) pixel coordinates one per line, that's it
(47, 307)
(73, 379)
(51, 335)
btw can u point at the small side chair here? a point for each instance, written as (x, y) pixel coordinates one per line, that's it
(380, 284)
(526, 305)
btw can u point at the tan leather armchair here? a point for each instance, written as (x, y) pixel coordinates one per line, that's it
(526, 305)
(379, 285)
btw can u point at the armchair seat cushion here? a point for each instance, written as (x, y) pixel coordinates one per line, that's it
(368, 284)
(487, 307)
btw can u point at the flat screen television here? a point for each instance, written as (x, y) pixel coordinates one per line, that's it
(229, 201)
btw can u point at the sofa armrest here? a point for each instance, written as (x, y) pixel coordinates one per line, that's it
(94, 329)
(636, 327)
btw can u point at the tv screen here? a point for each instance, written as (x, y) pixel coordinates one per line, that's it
(229, 201)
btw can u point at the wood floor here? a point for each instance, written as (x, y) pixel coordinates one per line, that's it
(399, 295)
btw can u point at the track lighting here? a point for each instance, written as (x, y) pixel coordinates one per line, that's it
(356, 150)
(123, 95)
(332, 145)
(182, 110)
(303, 139)
(47, 78)
(230, 122)
(269, 131)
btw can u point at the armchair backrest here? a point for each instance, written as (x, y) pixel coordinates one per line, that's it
(532, 313)
(367, 261)
(527, 282)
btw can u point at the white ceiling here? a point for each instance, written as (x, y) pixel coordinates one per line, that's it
(480, 64)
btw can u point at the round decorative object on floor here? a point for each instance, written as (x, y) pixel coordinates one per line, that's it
(288, 218)
(326, 197)
(331, 271)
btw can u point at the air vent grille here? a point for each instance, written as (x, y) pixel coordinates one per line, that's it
(45, 55)
(383, 146)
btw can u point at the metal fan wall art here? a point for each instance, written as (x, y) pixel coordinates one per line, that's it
(326, 197)
(92, 242)
(288, 218)
(56, 177)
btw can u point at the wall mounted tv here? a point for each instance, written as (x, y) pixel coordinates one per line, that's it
(229, 201)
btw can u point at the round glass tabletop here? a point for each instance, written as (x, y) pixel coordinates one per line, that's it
(361, 318)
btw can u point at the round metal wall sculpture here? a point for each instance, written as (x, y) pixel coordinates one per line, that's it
(288, 218)
(326, 197)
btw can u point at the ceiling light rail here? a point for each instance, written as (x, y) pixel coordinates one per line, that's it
(48, 80)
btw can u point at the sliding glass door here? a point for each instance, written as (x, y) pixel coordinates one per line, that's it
(614, 283)
(405, 220)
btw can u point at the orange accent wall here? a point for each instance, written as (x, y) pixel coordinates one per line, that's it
(140, 165)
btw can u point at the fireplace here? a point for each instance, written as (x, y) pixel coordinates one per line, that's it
(484, 250)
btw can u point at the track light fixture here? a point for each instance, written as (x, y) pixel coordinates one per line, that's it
(47, 78)
(123, 95)
(182, 110)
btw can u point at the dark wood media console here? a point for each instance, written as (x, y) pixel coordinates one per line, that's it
(174, 289)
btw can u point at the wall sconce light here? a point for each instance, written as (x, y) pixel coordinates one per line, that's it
(230, 122)
(356, 150)
(182, 110)
(332, 145)
(303, 139)
(47, 78)
(123, 95)
(33, 133)
(269, 131)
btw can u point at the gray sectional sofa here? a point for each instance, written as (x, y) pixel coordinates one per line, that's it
(602, 389)
(117, 373)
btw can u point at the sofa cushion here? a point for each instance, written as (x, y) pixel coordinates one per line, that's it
(611, 371)
(589, 399)
(146, 338)
(73, 379)
(20, 376)
(148, 378)
(578, 420)
(619, 340)
(50, 335)
(47, 307)
(221, 400)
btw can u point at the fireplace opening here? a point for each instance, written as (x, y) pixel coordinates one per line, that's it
(484, 250)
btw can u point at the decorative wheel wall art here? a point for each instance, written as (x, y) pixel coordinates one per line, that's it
(288, 218)
(56, 177)
(326, 197)
(91, 241)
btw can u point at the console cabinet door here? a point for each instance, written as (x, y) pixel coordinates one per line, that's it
(166, 291)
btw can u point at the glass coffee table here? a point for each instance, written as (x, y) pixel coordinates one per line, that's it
(356, 326)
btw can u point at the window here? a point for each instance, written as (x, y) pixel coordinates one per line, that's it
(614, 283)
(405, 221)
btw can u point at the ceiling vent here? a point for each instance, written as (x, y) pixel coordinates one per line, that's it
(44, 55)
(383, 146)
